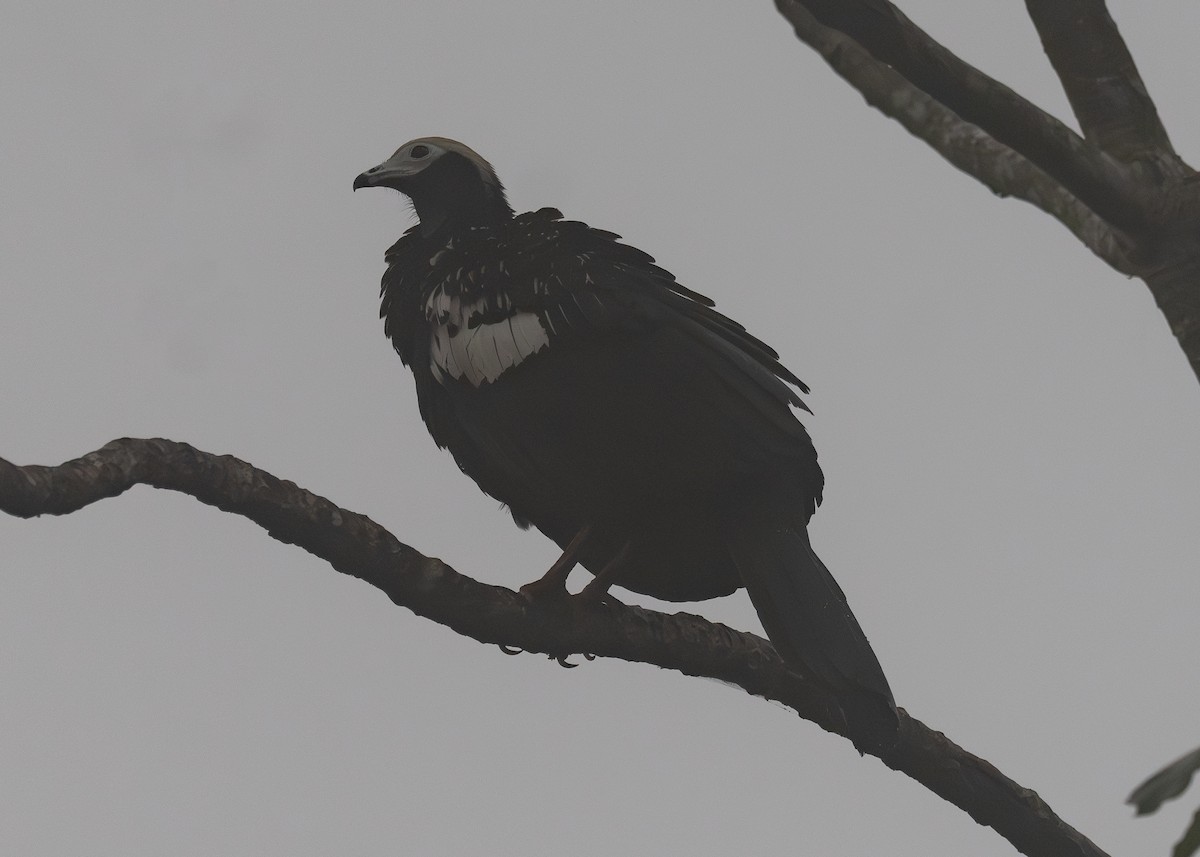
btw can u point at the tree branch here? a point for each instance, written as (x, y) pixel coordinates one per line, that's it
(1142, 221)
(1104, 185)
(355, 545)
(967, 147)
(1100, 79)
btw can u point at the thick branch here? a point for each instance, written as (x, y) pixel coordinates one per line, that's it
(964, 145)
(1103, 184)
(1099, 76)
(356, 545)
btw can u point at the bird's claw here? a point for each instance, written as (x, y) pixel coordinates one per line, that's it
(565, 664)
(561, 659)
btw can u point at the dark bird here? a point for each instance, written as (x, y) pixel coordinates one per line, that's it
(652, 438)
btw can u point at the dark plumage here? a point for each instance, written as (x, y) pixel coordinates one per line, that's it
(615, 410)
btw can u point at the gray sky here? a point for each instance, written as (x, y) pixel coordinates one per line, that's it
(1006, 426)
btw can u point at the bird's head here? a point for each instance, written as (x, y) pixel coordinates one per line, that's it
(449, 184)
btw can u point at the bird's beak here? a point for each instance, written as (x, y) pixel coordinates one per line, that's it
(366, 179)
(387, 174)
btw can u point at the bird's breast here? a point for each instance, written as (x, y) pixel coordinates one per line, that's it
(478, 338)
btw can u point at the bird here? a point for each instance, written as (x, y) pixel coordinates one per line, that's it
(651, 437)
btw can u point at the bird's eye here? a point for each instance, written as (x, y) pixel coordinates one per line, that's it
(418, 151)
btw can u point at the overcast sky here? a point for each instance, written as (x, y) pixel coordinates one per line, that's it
(1007, 428)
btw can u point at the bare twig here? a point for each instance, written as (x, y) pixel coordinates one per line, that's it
(357, 546)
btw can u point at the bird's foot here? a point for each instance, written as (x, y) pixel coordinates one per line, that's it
(552, 586)
(596, 592)
(546, 589)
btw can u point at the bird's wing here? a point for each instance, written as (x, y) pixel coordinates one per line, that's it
(580, 281)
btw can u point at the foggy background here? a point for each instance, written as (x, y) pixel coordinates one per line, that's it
(1007, 428)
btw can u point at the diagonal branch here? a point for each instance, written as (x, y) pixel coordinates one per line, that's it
(1099, 76)
(1104, 185)
(1003, 171)
(355, 545)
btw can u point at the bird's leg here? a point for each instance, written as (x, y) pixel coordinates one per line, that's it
(598, 586)
(553, 584)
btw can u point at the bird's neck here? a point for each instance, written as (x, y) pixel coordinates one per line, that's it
(453, 197)
(442, 215)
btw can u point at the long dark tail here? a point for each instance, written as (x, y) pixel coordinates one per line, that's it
(805, 613)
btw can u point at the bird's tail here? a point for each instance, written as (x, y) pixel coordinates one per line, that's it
(805, 613)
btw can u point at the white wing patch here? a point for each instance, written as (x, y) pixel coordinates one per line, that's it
(481, 353)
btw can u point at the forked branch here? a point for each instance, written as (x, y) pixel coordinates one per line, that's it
(1100, 79)
(1106, 186)
(1122, 191)
(966, 146)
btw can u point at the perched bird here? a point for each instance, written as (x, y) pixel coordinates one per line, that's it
(651, 437)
